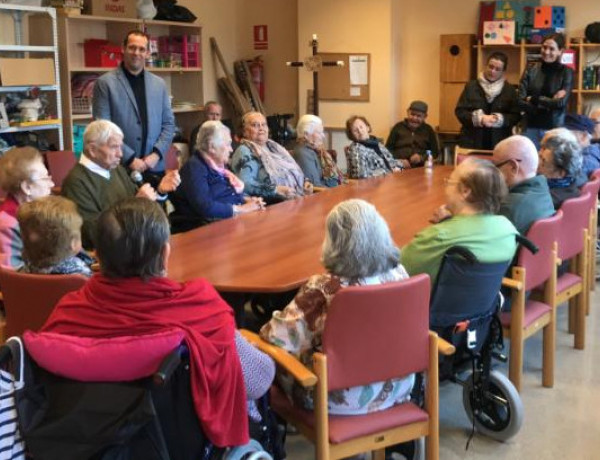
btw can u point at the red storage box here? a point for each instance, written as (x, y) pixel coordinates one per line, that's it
(101, 53)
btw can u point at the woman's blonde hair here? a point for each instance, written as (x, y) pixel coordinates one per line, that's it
(49, 227)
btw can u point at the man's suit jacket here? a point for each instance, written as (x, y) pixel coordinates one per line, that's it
(114, 100)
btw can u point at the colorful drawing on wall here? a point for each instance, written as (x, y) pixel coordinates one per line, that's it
(543, 17)
(558, 17)
(499, 32)
(520, 11)
(505, 11)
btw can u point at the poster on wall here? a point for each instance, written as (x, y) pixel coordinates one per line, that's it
(261, 38)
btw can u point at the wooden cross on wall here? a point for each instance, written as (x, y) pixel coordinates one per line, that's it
(314, 64)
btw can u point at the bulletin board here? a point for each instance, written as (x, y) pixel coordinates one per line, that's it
(352, 82)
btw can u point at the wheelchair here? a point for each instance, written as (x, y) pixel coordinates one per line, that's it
(465, 308)
(146, 419)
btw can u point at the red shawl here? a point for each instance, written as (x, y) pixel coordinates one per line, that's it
(107, 307)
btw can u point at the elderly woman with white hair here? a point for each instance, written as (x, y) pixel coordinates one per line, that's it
(209, 191)
(561, 162)
(312, 157)
(358, 250)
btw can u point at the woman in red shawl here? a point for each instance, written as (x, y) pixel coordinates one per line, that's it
(132, 296)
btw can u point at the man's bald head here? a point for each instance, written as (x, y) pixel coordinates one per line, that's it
(517, 159)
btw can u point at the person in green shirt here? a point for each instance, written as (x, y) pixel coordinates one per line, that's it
(474, 192)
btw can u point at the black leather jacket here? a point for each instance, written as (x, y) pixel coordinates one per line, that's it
(540, 83)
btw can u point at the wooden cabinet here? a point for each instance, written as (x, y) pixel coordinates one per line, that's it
(184, 84)
(457, 67)
(28, 45)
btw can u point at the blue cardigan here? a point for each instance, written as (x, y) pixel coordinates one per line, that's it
(204, 195)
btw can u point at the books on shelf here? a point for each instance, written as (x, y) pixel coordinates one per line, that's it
(591, 78)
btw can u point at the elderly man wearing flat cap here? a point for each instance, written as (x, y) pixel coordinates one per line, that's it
(410, 138)
(583, 129)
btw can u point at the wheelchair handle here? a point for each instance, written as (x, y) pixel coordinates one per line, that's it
(528, 244)
(167, 367)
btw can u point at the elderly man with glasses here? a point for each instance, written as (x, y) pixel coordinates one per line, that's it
(528, 196)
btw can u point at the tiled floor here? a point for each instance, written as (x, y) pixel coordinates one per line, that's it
(560, 423)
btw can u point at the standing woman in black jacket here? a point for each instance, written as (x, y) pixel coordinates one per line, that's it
(487, 108)
(544, 90)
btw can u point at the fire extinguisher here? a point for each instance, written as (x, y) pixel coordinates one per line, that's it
(257, 70)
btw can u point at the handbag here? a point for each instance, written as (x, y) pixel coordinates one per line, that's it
(11, 442)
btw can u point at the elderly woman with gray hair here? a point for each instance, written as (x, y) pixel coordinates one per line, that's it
(358, 250)
(267, 168)
(317, 164)
(561, 162)
(209, 191)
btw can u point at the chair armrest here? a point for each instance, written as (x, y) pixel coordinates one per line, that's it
(445, 348)
(301, 373)
(512, 284)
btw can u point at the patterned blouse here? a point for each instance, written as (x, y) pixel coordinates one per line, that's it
(73, 265)
(364, 161)
(298, 329)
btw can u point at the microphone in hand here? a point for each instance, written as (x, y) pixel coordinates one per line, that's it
(137, 177)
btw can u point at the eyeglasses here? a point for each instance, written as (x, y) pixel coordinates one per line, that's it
(40, 179)
(502, 163)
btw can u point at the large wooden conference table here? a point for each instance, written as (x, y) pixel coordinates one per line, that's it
(278, 249)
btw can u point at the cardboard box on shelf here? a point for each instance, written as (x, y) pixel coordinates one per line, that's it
(111, 8)
(27, 72)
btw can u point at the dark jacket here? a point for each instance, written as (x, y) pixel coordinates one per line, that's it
(541, 82)
(560, 194)
(473, 98)
(65, 419)
(203, 196)
(526, 202)
(402, 142)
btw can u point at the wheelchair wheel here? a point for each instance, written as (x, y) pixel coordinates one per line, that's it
(251, 451)
(501, 413)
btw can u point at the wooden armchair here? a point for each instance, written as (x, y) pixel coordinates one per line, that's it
(462, 153)
(396, 342)
(573, 246)
(592, 187)
(29, 299)
(528, 316)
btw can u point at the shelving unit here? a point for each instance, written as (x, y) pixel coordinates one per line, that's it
(588, 54)
(184, 84)
(40, 46)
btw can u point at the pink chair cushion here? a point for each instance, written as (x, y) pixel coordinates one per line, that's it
(566, 281)
(346, 427)
(534, 310)
(101, 360)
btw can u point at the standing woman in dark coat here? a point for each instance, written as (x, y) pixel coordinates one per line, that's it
(487, 108)
(544, 90)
